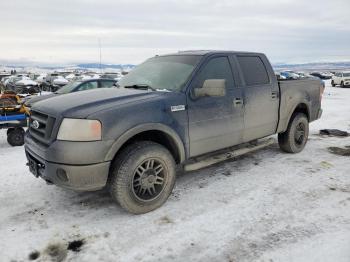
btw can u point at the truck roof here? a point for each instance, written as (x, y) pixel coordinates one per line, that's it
(209, 52)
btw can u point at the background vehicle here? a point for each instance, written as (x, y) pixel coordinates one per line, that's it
(22, 85)
(115, 76)
(190, 109)
(341, 78)
(322, 75)
(289, 75)
(13, 117)
(60, 81)
(75, 86)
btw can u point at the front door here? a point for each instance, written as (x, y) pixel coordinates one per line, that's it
(215, 122)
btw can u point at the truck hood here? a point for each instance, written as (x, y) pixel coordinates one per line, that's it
(82, 104)
(29, 101)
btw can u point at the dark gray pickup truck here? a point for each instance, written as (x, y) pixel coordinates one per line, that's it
(188, 109)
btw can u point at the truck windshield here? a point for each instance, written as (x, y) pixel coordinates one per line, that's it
(162, 73)
(68, 88)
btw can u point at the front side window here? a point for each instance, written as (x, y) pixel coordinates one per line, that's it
(216, 68)
(68, 88)
(88, 86)
(254, 70)
(162, 72)
(346, 74)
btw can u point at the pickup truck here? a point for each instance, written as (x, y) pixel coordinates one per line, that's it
(182, 110)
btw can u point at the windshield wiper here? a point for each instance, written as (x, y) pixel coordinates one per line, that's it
(141, 86)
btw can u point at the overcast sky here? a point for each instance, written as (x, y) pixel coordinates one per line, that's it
(59, 32)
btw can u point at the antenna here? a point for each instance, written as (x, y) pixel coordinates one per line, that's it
(99, 45)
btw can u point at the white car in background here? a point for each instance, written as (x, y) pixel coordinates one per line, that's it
(60, 81)
(341, 78)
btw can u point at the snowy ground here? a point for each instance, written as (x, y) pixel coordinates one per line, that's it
(267, 206)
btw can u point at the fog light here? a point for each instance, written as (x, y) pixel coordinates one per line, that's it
(62, 175)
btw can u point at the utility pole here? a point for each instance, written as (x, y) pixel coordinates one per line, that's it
(99, 45)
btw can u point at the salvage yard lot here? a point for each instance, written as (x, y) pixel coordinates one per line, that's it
(265, 206)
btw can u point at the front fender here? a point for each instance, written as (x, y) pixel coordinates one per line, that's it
(142, 128)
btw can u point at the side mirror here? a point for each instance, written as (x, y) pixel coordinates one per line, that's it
(211, 87)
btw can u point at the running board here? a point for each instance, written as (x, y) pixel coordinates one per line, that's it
(208, 161)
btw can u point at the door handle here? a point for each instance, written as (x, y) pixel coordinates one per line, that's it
(237, 101)
(274, 95)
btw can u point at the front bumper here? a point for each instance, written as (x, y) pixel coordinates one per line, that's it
(75, 177)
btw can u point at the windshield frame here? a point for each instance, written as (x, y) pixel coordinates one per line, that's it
(185, 83)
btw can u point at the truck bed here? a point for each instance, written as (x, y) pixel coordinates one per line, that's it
(292, 92)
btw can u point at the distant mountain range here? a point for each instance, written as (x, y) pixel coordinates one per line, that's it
(313, 66)
(86, 66)
(93, 66)
(104, 66)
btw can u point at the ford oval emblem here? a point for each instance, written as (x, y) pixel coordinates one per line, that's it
(36, 124)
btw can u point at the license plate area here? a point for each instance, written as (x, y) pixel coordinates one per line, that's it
(33, 166)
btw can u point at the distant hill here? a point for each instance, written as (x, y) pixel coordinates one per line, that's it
(104, 66)
(314, 66)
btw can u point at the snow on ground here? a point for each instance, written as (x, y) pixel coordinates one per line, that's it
(266, 206)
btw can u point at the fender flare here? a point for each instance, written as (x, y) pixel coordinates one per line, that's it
(119, 142)
(283, 122)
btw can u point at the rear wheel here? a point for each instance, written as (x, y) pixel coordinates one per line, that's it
(142, 177)
(15, 137)
(293, 140)
(332, 83)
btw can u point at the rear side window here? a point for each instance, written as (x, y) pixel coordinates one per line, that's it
(253, 69)
(107, 84)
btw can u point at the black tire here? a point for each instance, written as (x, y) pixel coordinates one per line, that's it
(294, 139)
(139, 185)
(16, 137)
(10, 130)
(342, 84)
(332, 83)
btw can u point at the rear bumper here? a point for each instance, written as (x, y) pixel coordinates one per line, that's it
(75, 177)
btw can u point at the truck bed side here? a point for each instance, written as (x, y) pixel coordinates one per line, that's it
(301, 95)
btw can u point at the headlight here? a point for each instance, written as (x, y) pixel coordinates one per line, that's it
(79, 130)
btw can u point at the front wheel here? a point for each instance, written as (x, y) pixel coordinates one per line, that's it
(342, 84)
(15, 136)
(294, 139)
(333, 84)
(142, 177)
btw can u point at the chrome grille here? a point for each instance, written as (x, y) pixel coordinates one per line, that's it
(41, 130)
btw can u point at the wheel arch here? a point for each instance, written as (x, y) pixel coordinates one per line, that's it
(155, 132)
(301, 107)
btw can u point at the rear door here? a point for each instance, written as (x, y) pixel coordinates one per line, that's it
(215, 122)
(261, 96)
